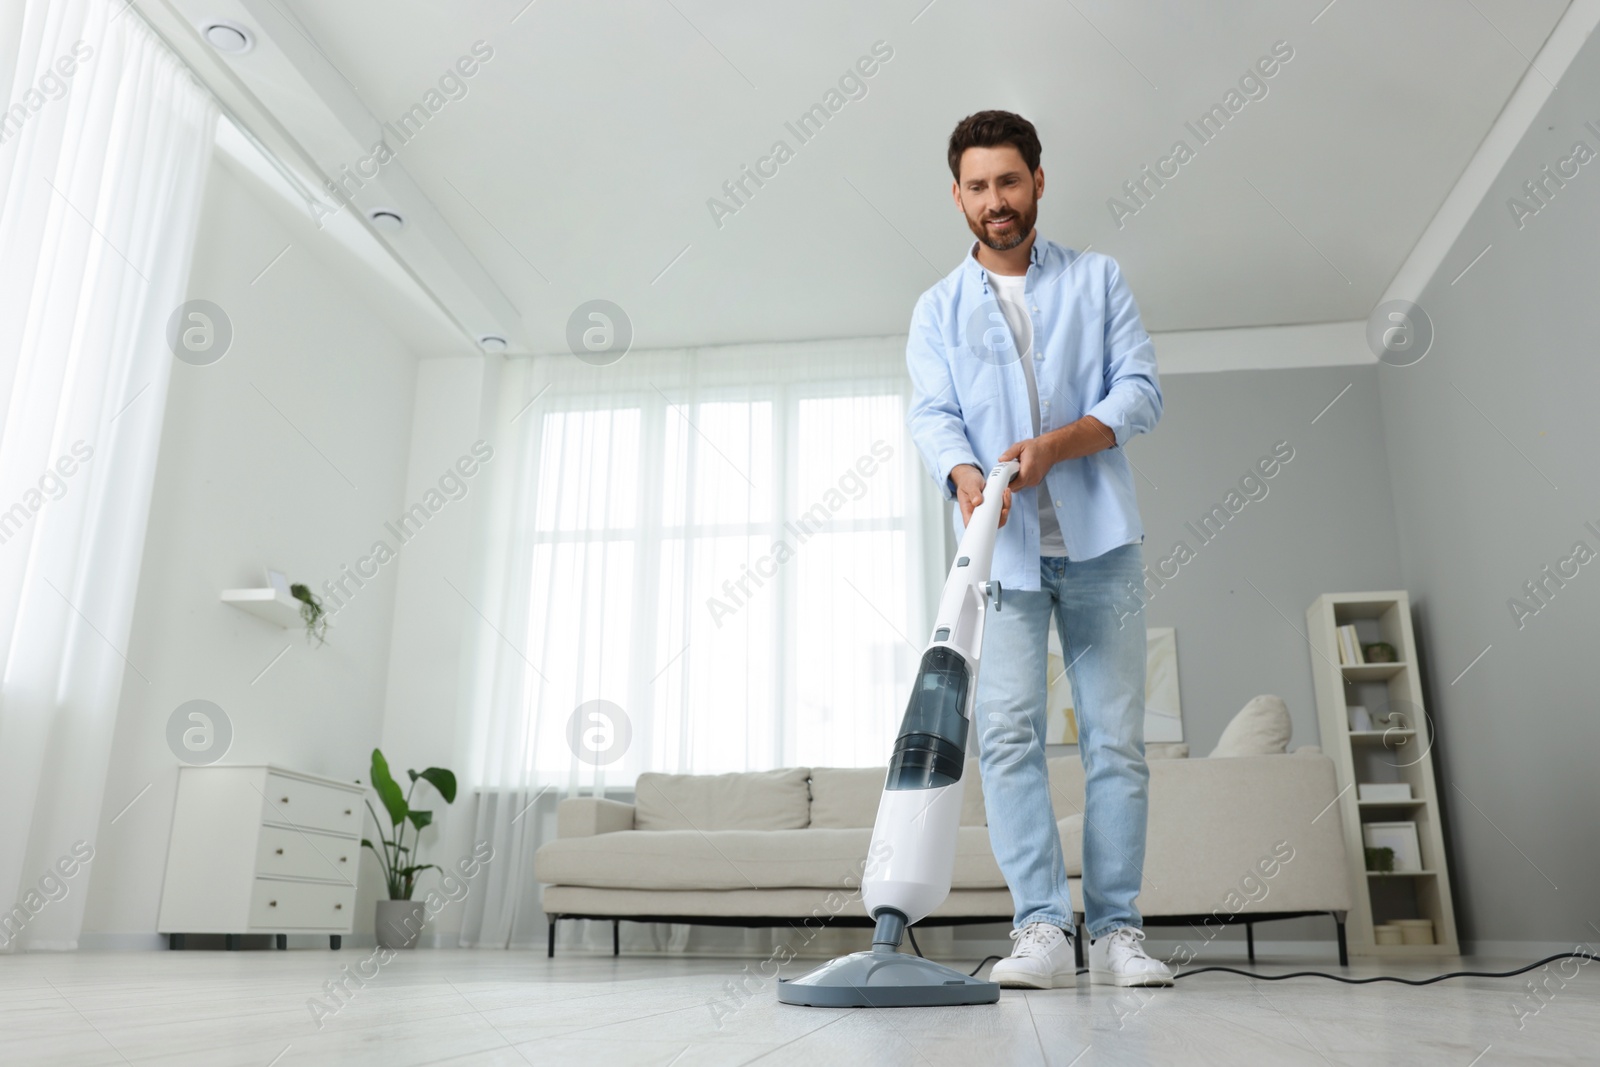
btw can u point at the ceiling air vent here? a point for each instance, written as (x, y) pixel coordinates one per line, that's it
(228, 37)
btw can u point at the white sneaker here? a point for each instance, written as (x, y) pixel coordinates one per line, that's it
(1041, 960)
(1118, 959)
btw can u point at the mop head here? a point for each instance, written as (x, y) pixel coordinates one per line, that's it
(885, 978)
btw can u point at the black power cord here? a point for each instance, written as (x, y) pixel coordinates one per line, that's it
(972, 973)
(1341, 978)
(987, 959)
(1319, 974)
(1391, 978)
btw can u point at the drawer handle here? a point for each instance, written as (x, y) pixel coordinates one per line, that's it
(347, 811)
(272, 903)
(280, 851)
(338, 907)
(285, 800)
(344, 859)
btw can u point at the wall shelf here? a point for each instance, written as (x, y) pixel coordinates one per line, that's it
(1401, 874)
(1391, 692)
(1371, 672)
(268, 604)
(1360, 736)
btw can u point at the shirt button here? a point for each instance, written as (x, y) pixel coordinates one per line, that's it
(1058, 503)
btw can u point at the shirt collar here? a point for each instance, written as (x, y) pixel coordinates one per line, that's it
(1036, 258)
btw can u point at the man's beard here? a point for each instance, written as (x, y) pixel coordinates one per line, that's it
(1019, 230)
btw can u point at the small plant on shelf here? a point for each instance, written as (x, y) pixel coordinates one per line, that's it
(311, 612)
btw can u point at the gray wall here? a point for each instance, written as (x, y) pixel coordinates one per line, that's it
(1326, 524)
(1492, 443)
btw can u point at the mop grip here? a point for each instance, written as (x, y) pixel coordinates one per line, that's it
(1000, 476)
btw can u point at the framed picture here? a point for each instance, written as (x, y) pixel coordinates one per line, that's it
(1163, 715)
(1400, 836)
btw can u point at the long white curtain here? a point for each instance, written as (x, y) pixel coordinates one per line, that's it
(698, 561)
(103, 153)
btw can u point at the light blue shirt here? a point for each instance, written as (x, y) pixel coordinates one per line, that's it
(970, 402)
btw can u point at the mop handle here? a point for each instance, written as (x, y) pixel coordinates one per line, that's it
(994, 493)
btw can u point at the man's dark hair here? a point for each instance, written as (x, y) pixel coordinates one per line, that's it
(988, 129)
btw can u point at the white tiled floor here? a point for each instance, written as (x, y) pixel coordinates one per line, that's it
(518, 1008)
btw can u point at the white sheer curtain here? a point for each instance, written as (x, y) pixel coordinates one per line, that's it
(101, 172)
(717, 560)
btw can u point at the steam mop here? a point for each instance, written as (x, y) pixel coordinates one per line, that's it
(920, 811)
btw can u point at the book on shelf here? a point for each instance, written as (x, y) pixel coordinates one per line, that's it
(1349, 647)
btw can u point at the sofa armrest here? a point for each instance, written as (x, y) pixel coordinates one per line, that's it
(1244, 834)
(587, 816)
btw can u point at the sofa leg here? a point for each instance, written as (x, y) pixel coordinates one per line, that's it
(550, 950)
(1079, 932)
(1250, 940)
(616, 937)
(1344, 948)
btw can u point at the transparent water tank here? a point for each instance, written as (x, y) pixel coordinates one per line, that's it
(932, 747)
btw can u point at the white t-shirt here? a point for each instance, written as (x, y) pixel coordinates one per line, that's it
(1013, 305)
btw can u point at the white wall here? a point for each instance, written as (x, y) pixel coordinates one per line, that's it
(436, 572)
(289, 452)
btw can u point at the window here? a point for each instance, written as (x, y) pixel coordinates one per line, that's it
(740, 570)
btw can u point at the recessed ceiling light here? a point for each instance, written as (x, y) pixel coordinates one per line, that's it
(386, 220)
(492, 343)
(227, 36)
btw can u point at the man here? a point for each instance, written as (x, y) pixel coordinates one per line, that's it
(1034, 352)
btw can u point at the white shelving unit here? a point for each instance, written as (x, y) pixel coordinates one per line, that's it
(1400, 750)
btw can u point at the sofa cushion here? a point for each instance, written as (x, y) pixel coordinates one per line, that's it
(973, 812)
(846, 797)
(755, 800)
(740, 859)
(1261, 728)
(1071, 830)
(1066, 784)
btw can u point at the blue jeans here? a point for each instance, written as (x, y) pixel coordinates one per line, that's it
(1102, 630)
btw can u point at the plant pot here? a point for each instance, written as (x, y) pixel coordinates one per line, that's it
(399, 923)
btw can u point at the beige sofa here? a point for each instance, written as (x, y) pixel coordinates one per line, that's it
(1230, 839)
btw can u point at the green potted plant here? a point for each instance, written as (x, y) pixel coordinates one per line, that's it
(399, 920)
(312, 612)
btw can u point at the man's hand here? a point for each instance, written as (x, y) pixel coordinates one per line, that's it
(969, 482)
(1037, 455)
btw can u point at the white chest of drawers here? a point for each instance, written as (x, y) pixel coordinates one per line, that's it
(261, 850)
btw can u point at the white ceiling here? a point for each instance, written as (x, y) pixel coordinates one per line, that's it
(579, 163)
